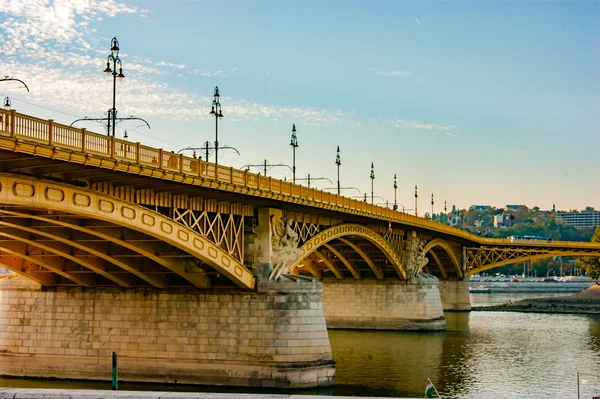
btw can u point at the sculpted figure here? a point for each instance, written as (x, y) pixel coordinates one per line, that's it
(284, 242)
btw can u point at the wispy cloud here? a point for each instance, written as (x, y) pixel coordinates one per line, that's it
(449, 130)
(39, 35)
(389, 73)
(419, 22)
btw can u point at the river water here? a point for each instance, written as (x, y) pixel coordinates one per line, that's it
(481, 355)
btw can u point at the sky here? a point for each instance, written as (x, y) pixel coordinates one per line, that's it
(475, 102)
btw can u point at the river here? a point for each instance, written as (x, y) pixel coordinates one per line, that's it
(481, 355)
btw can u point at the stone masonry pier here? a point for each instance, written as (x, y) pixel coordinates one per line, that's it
(455, 295)
(275, 337)
(383, 304)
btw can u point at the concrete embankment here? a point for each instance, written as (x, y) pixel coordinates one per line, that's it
(585, 302)
(25, 393)
(528, 287)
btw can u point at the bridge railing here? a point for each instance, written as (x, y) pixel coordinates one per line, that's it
(48, 132)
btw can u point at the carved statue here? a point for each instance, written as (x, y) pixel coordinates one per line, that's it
(284, 242)
(415, 258)
(421, 259)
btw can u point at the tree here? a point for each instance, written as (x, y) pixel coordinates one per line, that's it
(591, 264)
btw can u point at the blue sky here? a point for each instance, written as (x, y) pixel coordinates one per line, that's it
(478, 102)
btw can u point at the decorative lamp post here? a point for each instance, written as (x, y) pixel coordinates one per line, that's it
(294, 145)
(116, 61)
(431, 206)
(216, 112)
(445, 211)
(395, 190)
(372, 179)
(7, 103)
(338, 162)
(416, 201)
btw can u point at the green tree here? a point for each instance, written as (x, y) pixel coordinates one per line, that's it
(591, 264)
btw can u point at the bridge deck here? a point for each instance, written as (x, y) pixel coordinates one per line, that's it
(28, 144)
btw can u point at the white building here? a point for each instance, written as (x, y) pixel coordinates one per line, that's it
(579, 220)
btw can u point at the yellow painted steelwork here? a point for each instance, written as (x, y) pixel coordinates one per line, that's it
(32, 193)
(46, 139)
(344, 230)
(484, 258)
(438, 242)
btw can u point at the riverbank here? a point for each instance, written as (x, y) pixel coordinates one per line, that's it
(584, 302)
(24, 393)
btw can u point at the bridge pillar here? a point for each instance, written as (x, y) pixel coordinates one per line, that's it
(383, 304)
(261, 244)
(455, 295)
(275, 337)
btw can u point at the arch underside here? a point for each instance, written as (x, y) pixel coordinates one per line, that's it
(440, 265)
(348, 255)
(525, 257)
(58, 235)
(443, 262)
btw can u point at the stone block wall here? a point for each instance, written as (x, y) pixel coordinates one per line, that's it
(383, 304)
(455, 295)
(273, 338)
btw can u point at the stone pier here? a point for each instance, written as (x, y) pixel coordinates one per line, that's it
(455, 295)
(384, 304)
(275, 337)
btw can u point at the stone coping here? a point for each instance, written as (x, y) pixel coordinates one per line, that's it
(37, 393)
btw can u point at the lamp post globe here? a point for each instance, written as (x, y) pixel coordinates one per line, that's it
(114, 58)
(372, 176)
(218, 114)
(338, 162)
(294, 145)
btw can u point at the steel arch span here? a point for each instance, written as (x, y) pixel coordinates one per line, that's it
(482, 259)
(30, 193)
(438, 242)
(349, 229)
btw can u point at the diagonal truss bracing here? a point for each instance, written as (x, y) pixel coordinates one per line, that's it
(225, 230)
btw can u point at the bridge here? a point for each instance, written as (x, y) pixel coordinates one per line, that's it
(216, 275)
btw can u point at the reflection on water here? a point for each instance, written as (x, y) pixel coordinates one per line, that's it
(481, 355)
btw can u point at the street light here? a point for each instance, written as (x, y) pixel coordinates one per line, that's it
(216, 111)
(395, 189)
(7, 103)
(445, 212)
(416, 199)
(338, 162)
(431, 206)
(294, 145)
(372, 179)
(114, 57)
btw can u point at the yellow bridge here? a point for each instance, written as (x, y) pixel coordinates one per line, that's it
(203, 274)
(83, 209)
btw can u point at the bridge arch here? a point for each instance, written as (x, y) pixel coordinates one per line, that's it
(441, 243)
(350, 229)
(40, 194)
(480, 269)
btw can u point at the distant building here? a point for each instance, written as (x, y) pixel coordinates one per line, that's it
(502, 220)
(579, 220)
(479, 207)
(512, 207)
